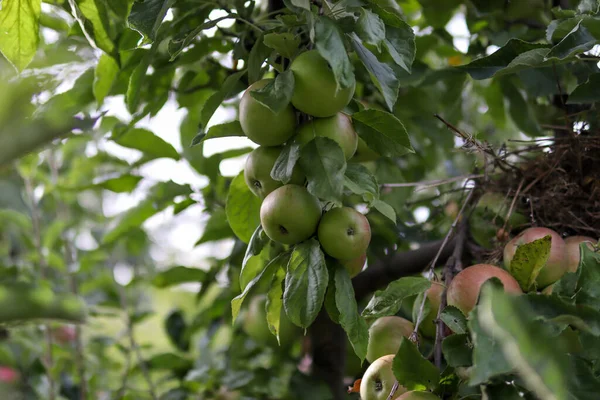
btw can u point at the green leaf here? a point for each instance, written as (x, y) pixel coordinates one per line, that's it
(529, 260)
(527, 345)
(382, 75)
(267, 272)
(384, 208)
(104, 77)
(388, 302)
(217, 98)
(275, 303)
(361, 181)
(286, 162)
(257, 242)
(457, 350)
(554, 309)
(577, 41)
(454, 319)
(132, 97)
(486, 67)
(242, 209)
(330, 44)
(227, 129)
(147, 16)
(276, 94)
(370, 28)
(412, 370)
(588, 286)
(95, 13)
(217, 228)
(19, 24)
(349, 318)
(305, 4)
(323, 162)
(382, 132)
(177, 275)
(400, 42)
(519, 110)
(285, 44)
(160, 197)
(305, 283)
(256, 59)
(177, 45)
(122, 184)
(588, 92)
(147, 142)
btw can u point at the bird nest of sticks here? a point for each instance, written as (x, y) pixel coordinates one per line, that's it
(554, 183)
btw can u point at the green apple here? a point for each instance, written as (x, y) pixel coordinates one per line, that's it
(385, 335)
(255, 325)
(338, 128)
(290, 214)
(415, 395)
(262, 125)
(572, 250)
(555, 267)
(463, 291)
(257, 172)
(379, 379)
(315, 90)
(355, 266)
(434, 297)
(364, 153)
(344, 233)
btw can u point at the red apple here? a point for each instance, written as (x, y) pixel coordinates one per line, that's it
(572, 250)
(354, 266)
(555, 266)
(434, 297)
(464, 289)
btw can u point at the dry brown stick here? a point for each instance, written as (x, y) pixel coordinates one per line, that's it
(453, 265)
(43, 273)
(70, 260)
(414, 335)
(512, 204)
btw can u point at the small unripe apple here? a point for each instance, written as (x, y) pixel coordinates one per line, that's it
(415, 395)
(255, 325)
(257, 172)
(290, 214)
(262, 125)
(315, 90)
(572, 250)
(464, 289)
(385, 335)
(555, 266)
(354, 266)
(379, 379)
(344, 233)
(338, 128)
(434, 296)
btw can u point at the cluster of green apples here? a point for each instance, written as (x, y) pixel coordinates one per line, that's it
(289, 213)
(385, 333)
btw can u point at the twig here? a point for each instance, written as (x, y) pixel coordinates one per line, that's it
(132, 342)
(393, 391)
(70, 260)
(512, 204)
(43, 273)
(434, 182)
(453, 265)
(414, 335)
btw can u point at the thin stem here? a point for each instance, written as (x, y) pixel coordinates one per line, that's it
(245, 21)
(43, 273)
(133, 344)
(393, 391)
(70, 260)
(512, 205)
(414, 336)
(432, 183)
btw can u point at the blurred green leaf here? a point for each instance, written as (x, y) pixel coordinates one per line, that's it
(588, 285)
(176, 327)
(387, 302)
(285, 44)
(305, 283)
(147, 16)
(217, 98)
(178, 275)
(19, 24)
(457, 350)
(323, 162)
(226, 129)
(257, 57)
(519, 109)
(587, 92)
(105, 74)
(242, 209)
(147, 142)
(217, 227)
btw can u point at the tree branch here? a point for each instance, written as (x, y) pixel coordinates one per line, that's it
(398, 265)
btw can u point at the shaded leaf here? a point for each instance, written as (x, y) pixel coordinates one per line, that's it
(242, 209)
(384, 208)
(217, 98)
(217, 227)
(305, 283)
(588, 92)
(323, 162)
(412, 370)
(276, 94)
(388, 301)
(285, 44)
(519, 109)
(330, 44)
(382, 132)
(257, 57)
(146, 16)
(457, 350)
(577, 41)
(370, 28)
(349, 318)
(104, 76)
(361, 181)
